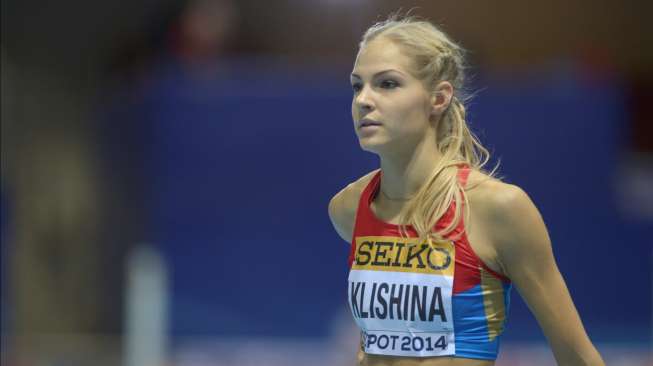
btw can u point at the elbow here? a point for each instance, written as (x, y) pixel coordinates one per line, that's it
(595, 359)
(588, 357)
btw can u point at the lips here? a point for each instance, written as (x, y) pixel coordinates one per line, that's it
(368, 122)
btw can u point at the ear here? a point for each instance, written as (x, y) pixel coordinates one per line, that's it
(441, 98)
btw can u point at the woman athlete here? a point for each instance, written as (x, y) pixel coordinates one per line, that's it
(438, 242)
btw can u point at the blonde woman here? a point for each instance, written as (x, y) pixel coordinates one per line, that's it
(437, 242)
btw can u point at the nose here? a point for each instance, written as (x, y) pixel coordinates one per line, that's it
(364, 100)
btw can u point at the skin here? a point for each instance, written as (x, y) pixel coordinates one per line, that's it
(505, 228)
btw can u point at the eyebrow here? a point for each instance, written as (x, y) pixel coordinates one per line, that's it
(378, 73)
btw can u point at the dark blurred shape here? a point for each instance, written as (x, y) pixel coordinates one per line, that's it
(69, 227)
(203, 30)
(641, 103)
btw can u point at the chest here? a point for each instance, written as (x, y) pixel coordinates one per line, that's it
(477, 230)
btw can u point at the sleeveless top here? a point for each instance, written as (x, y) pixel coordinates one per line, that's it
(415, 299)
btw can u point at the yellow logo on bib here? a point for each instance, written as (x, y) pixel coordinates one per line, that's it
(386, 253)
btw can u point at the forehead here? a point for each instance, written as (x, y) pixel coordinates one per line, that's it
(381, 54)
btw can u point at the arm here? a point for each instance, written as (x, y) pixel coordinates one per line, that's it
(342, 214)
(524, 252)
(343, 206)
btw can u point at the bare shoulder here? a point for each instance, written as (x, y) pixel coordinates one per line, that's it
(488, 228)
(521, 249)
(511, 222)
(495, 199)
(342, 207)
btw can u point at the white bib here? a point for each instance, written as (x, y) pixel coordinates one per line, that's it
(400, 296)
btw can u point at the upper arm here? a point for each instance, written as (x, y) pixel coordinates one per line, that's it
(343, 206)
(524, 251)
(340, 213)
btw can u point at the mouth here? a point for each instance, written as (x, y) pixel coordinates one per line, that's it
(365, 122)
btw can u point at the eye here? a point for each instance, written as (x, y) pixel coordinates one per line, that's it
(389, 84)
(356, 87)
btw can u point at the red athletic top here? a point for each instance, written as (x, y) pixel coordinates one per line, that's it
(425, 300)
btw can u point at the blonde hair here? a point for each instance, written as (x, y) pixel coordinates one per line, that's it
(437, 58)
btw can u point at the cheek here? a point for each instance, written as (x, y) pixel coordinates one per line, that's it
(412, 109)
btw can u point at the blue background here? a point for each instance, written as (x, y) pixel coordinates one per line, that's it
(240, 171)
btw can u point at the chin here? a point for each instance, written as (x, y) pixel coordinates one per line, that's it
(372, 146)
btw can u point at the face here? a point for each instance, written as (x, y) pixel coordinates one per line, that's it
(391, 108)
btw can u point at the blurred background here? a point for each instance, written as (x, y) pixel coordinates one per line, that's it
(167, 165)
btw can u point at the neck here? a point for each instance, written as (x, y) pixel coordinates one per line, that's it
(404, 173)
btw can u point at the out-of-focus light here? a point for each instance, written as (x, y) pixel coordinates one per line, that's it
(146, 308)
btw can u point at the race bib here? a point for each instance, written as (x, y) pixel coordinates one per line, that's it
(400, 296)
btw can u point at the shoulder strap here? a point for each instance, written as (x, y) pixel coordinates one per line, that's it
(463, 174)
